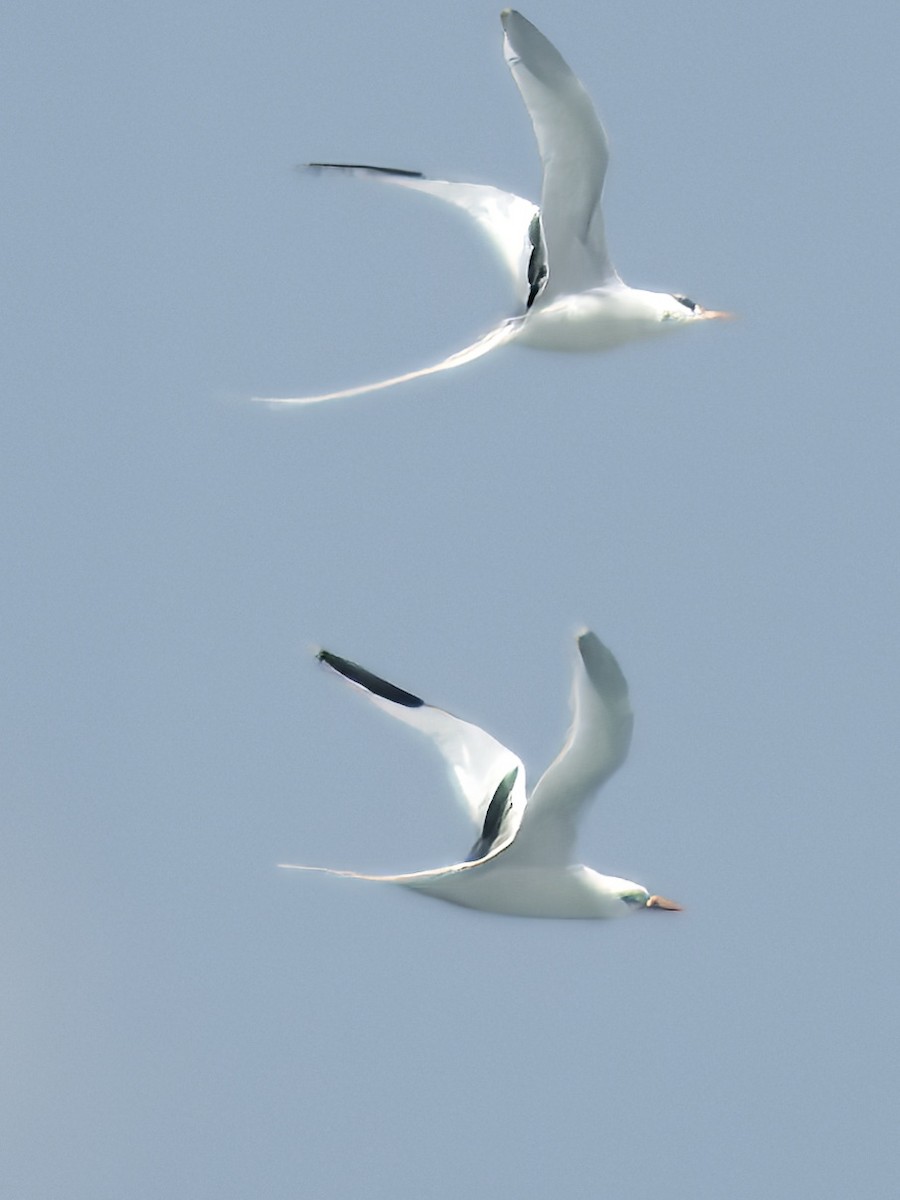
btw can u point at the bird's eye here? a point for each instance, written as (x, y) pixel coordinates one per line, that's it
(691, 304)
(635, 898)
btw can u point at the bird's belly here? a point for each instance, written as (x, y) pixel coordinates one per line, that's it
(526, 892)
(590, 321)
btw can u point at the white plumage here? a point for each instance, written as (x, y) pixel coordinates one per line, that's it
(570, 294)
(522, 863)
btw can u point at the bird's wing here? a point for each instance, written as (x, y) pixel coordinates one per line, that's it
(596, 746)
(504, 217)
(499, 336)
(574, 152)
(488, 778)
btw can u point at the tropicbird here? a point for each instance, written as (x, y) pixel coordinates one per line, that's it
(522, 861)
(571, 296)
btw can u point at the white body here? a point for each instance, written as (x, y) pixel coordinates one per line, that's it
(600, 319)
(571, 892)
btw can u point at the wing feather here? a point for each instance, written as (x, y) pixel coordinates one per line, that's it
(596, 746)
(504, 217)
(574, 152)
(479, 765)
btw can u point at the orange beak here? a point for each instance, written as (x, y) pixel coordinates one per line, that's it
(662, 902)
(710, 314)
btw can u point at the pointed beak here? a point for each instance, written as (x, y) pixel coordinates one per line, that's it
(662, 902)
(710, 314)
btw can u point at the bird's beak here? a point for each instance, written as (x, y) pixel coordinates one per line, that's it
(710, 314)
(662, 902)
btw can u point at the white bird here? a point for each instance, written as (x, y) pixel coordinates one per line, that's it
(522, 861)
(571, 296)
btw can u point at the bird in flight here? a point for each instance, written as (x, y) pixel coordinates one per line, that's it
(570, 294)
(522, 862)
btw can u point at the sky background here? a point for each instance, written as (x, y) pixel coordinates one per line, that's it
(182, 1019)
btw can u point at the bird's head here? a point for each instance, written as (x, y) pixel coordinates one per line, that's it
(682, 309)
(636, 898)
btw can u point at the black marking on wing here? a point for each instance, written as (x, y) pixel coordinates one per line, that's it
(365, 167)
(537, 263)
(493, 818)
(372, 683)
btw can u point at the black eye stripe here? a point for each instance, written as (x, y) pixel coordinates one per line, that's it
(691, 304)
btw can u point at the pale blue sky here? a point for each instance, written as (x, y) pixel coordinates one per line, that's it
(180, 1018)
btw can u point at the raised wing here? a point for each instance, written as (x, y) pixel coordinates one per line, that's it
(597, 744)
(497, 337)
(574, 152)
(504, 217)
(489, 779)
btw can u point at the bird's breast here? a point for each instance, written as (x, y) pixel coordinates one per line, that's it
(571, 892)
(590, 321)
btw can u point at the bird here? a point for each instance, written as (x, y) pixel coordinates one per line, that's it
(522, 861)
(571, 297)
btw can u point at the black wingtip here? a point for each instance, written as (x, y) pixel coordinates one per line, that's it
(320, 166)
(372, 683)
